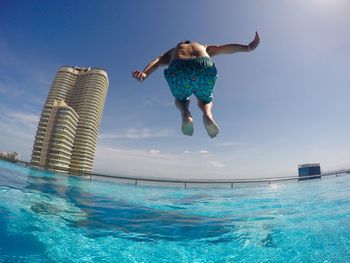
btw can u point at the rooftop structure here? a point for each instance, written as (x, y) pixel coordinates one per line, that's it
(310, 169)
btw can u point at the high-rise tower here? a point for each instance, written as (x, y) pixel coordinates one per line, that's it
(69, 125)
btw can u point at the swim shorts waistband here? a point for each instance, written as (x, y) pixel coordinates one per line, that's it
(204, 61)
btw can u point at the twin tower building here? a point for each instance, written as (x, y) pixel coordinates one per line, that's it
(67, 133)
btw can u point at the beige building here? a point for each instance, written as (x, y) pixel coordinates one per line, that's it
(69, 125)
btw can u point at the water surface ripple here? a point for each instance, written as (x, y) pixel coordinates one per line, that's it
(47, 217)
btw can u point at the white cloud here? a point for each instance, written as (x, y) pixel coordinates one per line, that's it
(16, 136)
(129, 161)
(37, 80)
(14, 91)
(142, 162)
(168, 103)
(154, 152)
(227, 144)
(39, 76)
(17, 131)
(200, 152)
(204, 153)
(138, 134)
(11, 90)
(28, 119)
(132, 154)
(217, 164)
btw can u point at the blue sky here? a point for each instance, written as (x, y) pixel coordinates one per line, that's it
(284, 104)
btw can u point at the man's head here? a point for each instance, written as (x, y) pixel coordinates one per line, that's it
(183, 42)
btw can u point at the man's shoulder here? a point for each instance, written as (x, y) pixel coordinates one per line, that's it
(199, 44)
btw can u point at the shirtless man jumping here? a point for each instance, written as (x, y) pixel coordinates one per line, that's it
(191, 71)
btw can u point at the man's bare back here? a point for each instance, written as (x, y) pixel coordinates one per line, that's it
(186, 50)
(192, 72)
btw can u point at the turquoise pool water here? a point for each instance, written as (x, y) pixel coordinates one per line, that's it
(47, 217)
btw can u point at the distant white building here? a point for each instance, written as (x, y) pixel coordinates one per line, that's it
(14, 157)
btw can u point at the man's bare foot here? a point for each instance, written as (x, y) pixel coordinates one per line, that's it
(210, 125)
(187, 124)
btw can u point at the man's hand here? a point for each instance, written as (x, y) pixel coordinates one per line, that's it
(255, 43)
(139, 75)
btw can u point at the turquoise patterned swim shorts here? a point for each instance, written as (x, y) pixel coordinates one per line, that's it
(192, 76)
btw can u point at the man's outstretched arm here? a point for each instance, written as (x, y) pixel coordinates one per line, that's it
(233, 48)
(162, 60)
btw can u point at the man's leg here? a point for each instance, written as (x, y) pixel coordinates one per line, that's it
(208, 120)
(187, 122)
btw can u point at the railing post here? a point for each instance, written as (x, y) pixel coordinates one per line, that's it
(135, 182)
(231, 185)
(185, 185)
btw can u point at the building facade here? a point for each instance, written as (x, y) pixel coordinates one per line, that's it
(70, 121)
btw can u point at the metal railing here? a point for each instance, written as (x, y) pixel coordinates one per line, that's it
(186, 182)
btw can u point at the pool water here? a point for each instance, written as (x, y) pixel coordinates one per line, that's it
(47, 217)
